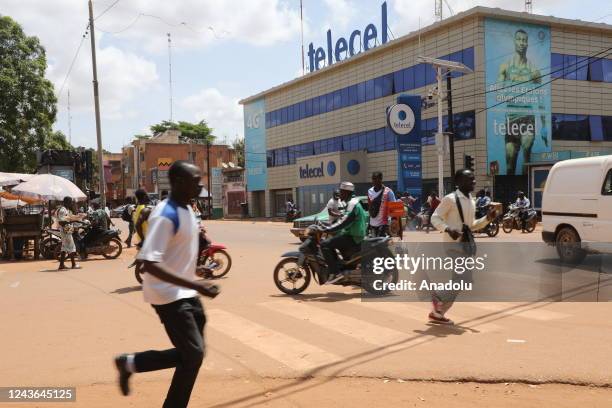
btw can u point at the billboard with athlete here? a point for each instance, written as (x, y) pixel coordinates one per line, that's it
(518, 97)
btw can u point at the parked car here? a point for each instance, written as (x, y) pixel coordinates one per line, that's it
(577, 207)
(117, 211)
(300, 224)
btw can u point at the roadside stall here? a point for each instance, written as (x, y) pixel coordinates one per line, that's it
(22, 215)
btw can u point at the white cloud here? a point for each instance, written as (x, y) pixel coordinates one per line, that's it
(340, 13)
(221, 112)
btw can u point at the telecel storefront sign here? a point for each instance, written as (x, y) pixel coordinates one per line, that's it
(311, 172)
(343, 48)
(400, 118)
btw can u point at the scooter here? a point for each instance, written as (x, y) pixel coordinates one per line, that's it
(292, 275)
(492, 228)
(51, 244)
(107, 243)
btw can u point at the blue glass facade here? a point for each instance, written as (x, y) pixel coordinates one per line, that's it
(375, 140)
(403, 80)
(581, 68)
(586, 128)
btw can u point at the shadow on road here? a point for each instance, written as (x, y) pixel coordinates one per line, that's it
(321, 297)
(127, 289)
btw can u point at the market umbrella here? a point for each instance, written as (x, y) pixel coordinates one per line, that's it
(4, 203)
(10, 179)
(49, 187)
(12, 197)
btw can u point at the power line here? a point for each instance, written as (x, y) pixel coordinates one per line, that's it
(76, 54)
(123, 29)
(107, 9)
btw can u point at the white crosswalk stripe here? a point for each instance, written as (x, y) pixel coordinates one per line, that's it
(349, 326)
(285, 349)
(419, 312)
(511, 309)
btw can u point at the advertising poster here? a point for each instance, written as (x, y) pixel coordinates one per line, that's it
(255, 145)
(518, 97)
(217, 187)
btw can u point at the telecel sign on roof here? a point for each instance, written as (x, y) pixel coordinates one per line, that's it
(343, 49)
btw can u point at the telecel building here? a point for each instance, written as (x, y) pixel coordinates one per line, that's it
(538, 90)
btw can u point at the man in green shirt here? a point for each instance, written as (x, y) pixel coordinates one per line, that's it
(351, 230)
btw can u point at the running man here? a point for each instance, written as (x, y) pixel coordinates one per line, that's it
(521, 116)
(168, 258)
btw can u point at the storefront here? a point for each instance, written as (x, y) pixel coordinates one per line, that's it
(301, 135)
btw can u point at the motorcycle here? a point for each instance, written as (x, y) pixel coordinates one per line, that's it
(298, 268)
(492, 228)
(51, 243)
(292, 215)
(424, 220)
(213, 261)
(512, 219)
(107, 243)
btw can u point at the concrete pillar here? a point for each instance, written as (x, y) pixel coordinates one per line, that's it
(268, 203)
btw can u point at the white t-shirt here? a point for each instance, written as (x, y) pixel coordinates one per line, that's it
(172, 241)
(382, 217)
(335, 205)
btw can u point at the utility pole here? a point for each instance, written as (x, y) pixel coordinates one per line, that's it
(451, 124)
(302, 25)
(208, 181)
(69, 120)
(92, 32)
(170, 71)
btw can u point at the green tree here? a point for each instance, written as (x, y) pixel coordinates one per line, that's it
(27, 102)
(238, 146)
(57, 141)
(194, 131)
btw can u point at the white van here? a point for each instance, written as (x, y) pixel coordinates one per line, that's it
(577, 207)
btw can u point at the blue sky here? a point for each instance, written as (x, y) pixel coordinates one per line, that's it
(225, 51)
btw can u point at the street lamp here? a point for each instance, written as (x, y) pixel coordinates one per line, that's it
(448, 66)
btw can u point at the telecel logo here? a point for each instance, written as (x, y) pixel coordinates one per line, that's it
(400, 118)
(311, 172)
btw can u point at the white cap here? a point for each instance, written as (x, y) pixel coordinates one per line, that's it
(347, 185)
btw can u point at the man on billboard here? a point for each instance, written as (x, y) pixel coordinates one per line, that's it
(520, 126)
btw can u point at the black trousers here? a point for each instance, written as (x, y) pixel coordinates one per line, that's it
(184, 322)
(379, 231)
(343, 243)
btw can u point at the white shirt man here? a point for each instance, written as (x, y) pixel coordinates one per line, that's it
(382, 218)
(447, 215)
(172, 241)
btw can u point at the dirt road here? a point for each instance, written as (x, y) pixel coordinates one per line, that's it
(63, 328)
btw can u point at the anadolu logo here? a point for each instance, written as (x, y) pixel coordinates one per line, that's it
(311, 172)
(400, 118)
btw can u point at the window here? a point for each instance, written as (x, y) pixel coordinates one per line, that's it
(582, 128)
(430, 74)
(556, 65)
(322, 103)
(570, 127)
(419, 76)
(595, 125)
(595, 70)
(315, 106)
(387, 86)
(390, 139)
(267, 119)
(606, 189)
(371, 141)
(362, 138)
(369, 90)
(398, 81)
(456, 57)
(290, 114)
(569, 64)
(361, 92)
(582, 68)
(345, 97)
(302, 110)
(352, 95)
(378, 87)
(468, 57)
(330, 102)
(464, 124)
(606, 122)
(409, 78)
(270, 158)
(283, 116)
(607, 70)
(308, 104)
(337, 99)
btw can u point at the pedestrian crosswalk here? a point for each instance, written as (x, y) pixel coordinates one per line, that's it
(368, 325)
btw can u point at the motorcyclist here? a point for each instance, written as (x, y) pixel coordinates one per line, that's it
(523, 204)
(351, 230)
(482, 203)
(290, 210)
(100, 222)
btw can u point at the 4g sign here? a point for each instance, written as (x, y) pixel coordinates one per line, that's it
(253, 121)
